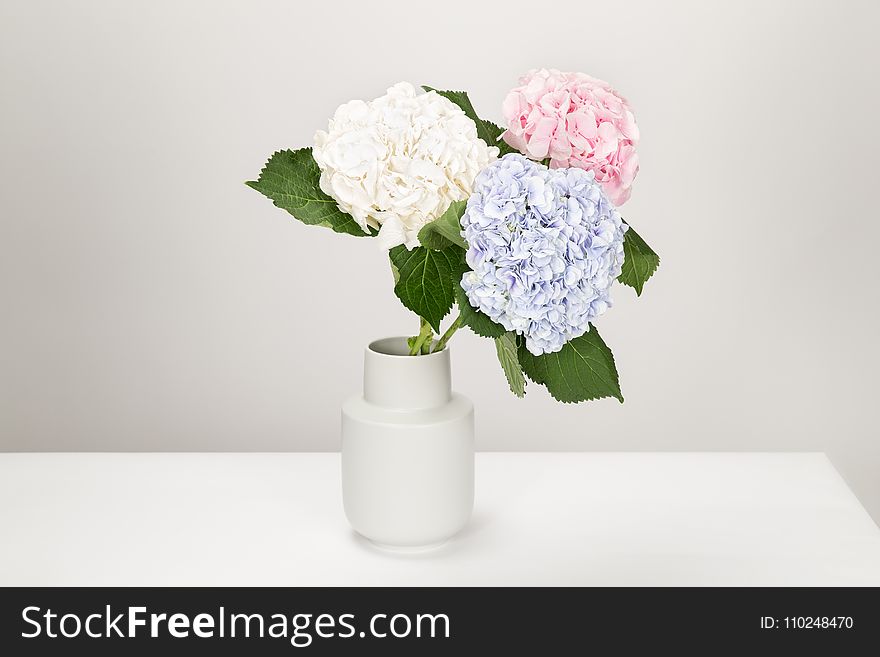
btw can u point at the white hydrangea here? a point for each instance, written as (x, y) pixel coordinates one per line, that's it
(397, 162)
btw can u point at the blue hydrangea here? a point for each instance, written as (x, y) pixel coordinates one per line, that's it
(544, 247)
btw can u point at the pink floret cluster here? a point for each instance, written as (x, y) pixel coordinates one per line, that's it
(575, 120)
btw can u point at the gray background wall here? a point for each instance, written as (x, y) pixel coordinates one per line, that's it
(150, 301)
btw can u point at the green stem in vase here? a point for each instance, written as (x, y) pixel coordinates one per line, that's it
(425, 333)
(441, 343)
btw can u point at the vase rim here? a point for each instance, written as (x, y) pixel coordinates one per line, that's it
(396, 347)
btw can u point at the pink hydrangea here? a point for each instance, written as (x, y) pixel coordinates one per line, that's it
(576, 121)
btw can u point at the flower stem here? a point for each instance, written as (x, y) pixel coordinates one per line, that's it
(441, 343)
(425, 333)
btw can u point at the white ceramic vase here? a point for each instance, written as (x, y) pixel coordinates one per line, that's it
(407, 450)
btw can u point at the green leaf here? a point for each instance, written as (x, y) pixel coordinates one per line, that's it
(639, 263)
(584, 369)
(290, 179)
(505, 347)
(424, 282)
(496, 131)
(445, 230)
(486, 130)
(503, 147)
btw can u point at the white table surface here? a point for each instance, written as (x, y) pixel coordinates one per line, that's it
(540, 519)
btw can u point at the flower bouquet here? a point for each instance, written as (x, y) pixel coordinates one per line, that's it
(518, 226)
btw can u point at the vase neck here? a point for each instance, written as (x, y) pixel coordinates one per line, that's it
(393, 379)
